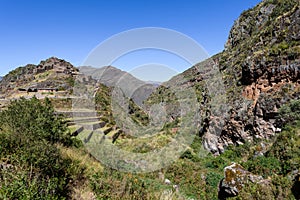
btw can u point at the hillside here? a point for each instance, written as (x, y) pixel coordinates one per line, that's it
(243, 114)
(132, 87)
(259, 69)
(261, 63)
(49, 77)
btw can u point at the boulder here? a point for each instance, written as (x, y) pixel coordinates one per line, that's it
(235, 177)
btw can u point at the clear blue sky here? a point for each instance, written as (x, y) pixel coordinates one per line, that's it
(33, 30)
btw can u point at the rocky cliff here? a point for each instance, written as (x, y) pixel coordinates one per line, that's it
(260, 71)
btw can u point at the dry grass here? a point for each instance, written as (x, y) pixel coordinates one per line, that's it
(82, 190)
(84, 159)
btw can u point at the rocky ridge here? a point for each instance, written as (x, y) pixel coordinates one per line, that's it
(259, 70)
(262, 57)
(52, 74)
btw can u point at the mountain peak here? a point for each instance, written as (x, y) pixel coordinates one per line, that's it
(52, 72)
(54, 62)
(264, 24)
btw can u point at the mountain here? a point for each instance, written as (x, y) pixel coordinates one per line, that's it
(50, 74)
(260, 68)
(258, 71)
(247, 115)
(132, 87)
(248, 101)
(107, 75)
(54, 74)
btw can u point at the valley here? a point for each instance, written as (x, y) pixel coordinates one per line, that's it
(226, 128)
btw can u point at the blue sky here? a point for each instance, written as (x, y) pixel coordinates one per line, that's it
(33, 30)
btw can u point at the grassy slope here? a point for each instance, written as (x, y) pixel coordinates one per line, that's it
(196, 173)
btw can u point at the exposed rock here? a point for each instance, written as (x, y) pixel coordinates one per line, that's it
(210, 141)
(235, 177)
(261, 72)
(167, 181)
(52, 73)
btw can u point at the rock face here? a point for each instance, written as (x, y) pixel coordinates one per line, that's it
(260, 69)
(235, 178)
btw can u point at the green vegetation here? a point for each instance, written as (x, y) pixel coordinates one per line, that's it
(39, 159)
(290, 113)
(279, 163)
(103, 104)
(137, 114)
(14, 74)
(35, 168)
(42, 160)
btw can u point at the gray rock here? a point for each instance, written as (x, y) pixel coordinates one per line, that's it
(235, 177)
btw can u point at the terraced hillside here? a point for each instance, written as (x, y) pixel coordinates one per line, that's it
(53, 77)
(85, 124)
(98, 123)
(253, 154)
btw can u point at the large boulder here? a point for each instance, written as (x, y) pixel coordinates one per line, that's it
(235, 177)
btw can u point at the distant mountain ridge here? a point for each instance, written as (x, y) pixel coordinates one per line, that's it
(59, 74)
(132, 87)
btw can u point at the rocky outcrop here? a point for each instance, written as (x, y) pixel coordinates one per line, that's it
(58, 65)
(261, 72)
(51, 73)
(235, 177)
(274, 20)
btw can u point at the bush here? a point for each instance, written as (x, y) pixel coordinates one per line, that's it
(290, 113)
(286, 148)
(34, 120)
(29, 134)
(213, 179)
(265, 166)
(215, 162)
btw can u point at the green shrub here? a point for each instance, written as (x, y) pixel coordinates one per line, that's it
(265, 166)
(286, 148)
(29, 134)
(213, 179)
(215, 162)
(290, 113)
(34, 120)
